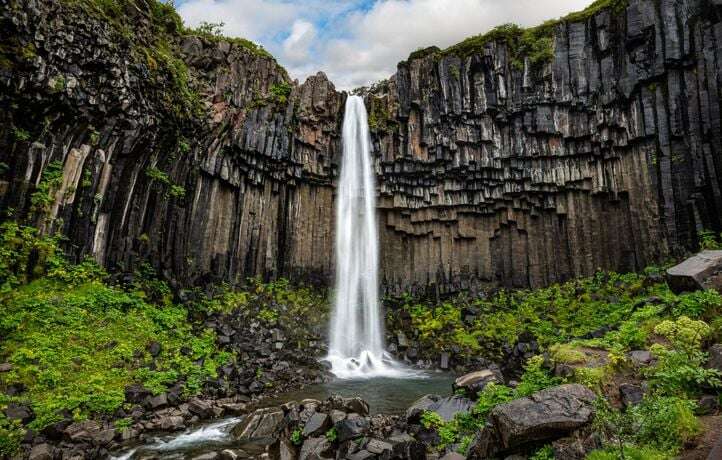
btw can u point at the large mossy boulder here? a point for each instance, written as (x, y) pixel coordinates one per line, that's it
(544, 416)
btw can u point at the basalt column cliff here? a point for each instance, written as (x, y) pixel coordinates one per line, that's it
(517, 158)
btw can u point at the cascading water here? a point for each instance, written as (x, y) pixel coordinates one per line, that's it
(357, 347)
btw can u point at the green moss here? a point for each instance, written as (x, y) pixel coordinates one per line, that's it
(213, 32)
(535, 44)
(21, 135)
(379, 118)
(280, 92)
(567, 354)
(423, 52)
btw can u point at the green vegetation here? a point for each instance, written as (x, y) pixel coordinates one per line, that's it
(710, 240)
(75, 342)
(536, 43)
(297, 437)
(21, 135)
(213, 31)
(280, 92)
(638, 311)
(379, 118)
(158, 176)
(44, 194)
(331, 435)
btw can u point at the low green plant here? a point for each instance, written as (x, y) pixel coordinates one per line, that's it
(11, 434)
(545, 453)
(332, 435)
(297, 437)
(710, 240)
(157, 175)
(431, 420)
(44, 193)
(21, 135)
(535, 378)
(680, 369)
(177, 191)
(657, 424)
(280, 92)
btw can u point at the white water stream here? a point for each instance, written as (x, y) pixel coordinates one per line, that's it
(356, 347)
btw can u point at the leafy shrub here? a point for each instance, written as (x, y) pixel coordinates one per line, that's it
(680, 370)
(297, 437)
(332, 435)
(51, 179)
(281, 91)
(11, 433)
(545, 453)
(629, 453)
(25, 255)
(431, 420)
(535, 378)
(710, 240)
(657, 424)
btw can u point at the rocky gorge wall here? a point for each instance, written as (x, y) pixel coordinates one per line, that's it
(199, 155)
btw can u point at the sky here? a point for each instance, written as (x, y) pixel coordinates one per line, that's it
(359, 42)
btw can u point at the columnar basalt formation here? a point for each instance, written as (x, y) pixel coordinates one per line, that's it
(200, 156)
(502, 172)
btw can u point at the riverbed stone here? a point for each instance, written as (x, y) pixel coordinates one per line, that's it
(317, 425)
(41, 452)
(263, 423)
(351, 427)
(316, 449)
(446, 407)
(474, 382)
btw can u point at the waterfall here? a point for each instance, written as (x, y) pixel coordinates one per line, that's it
(357, 346)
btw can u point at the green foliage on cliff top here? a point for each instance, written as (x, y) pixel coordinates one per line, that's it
(75, 342)
(535, 43)
(213, 31)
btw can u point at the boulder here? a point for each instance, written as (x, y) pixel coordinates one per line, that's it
(41, 452)
(201, 408)
(158, 402)
(453, 456)
(708, 404)
(20, 412)
(355, 405)
(545, 415)
(6, 367)
(715, 357)
(171, 423)
(317, 425)
(154, 349)
(630, 394)
(84, 431)
(362, 454)
(376, 446)
(474, 382)
(351, 428)
(701, 271)
(263, 423)
(206, 456)
(447, 407)
(640, 358)
(316, 449)
(137, 394)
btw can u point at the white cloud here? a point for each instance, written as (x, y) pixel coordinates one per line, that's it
(296, 46)
(392, 29)
(258, 20)
(358, 46)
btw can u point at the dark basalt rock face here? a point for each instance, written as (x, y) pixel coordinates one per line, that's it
(488, 173)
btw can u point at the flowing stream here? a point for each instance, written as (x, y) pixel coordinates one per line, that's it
(356, 348)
